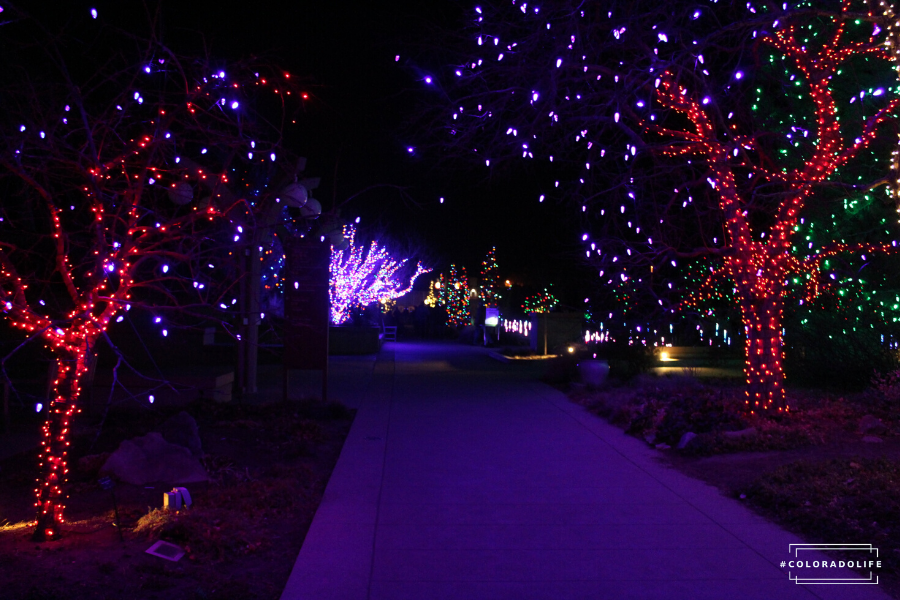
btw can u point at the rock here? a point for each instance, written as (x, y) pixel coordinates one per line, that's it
(872, 424)
(685, 440)
(182, 430)
(91, 463)
(872, 439)
(737, 435)
(150, 458)
(650, 438)
(663, 446)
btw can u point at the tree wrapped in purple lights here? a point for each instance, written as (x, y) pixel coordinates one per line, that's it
(361, 275)
(693, 136)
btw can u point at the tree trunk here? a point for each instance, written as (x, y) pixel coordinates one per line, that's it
(71, 368)
(763, 352)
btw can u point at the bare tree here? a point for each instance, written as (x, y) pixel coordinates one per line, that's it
(130, 177)
(696, 139)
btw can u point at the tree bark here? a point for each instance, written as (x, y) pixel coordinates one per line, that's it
(763, 355)
(71, 369)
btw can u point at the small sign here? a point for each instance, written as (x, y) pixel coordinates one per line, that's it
(166, 550)
(492, 316)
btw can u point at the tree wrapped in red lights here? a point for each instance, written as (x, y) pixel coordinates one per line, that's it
(692, 136)
(116, 187)
(361, 275)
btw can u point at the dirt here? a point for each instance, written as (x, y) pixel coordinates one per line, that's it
(269, 468)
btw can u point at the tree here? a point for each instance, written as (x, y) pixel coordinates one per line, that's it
(362, 275)
(453, 294)
(122, 187)
(539, 302)
(491, 288)
(666, 124)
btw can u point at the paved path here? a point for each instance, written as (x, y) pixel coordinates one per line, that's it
(465, 478)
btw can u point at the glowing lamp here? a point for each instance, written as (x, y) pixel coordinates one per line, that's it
(295, 195)
(311, 209)
(181, 193)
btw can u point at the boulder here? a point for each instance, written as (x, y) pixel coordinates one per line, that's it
(150, 458)
(182, 429)
(872, 439)
(737, 435)
(662, 446)
(870, 424)
(685, 440)
(91, 463)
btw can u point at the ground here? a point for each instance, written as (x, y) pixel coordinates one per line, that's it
(269, 466)
(809, 471)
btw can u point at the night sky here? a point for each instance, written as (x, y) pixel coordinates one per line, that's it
(353, 135)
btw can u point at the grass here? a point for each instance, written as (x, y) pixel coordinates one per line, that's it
(15, 528)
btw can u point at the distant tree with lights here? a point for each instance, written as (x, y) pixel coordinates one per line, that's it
(453, 295)
(122, 188)
(491, 286)
(698, 140)
(363, 274)
(540, 302)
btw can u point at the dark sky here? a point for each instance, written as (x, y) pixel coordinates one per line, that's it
(359, 98)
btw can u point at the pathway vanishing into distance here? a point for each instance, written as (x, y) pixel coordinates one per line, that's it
(465, 478)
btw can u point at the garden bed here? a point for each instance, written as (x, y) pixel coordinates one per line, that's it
(268, 465)
(827, 470)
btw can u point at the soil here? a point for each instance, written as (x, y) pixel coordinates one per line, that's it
(268, 465)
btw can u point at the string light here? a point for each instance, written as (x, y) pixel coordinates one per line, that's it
(490, 279)
(762, 167)
(139, 236)
(453, 295)
(362, 275)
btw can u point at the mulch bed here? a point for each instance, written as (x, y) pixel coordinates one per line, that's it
(268, 464)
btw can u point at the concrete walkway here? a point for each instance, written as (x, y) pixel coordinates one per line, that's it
(465, 478)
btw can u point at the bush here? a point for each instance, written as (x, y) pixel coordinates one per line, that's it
(625, 361)
(818, 352)
(561, 370)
